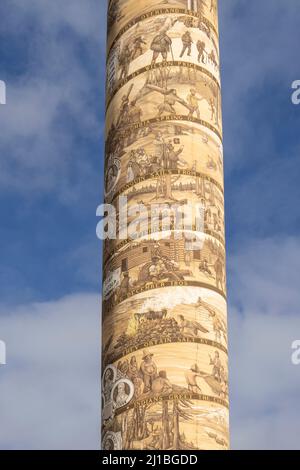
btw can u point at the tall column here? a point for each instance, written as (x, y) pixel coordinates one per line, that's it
(165, 371)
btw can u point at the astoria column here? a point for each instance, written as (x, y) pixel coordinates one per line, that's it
(164, 357)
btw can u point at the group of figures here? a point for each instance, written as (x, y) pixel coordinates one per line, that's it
(164, 361)
(147, 385)
(178, 190)
(148, 264)
(123, 12)
(173, 424)
(149, 381)
(140, 154)
(156, 321)
(165, 39)
(167, 92)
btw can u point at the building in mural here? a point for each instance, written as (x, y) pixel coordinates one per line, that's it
(164, 357)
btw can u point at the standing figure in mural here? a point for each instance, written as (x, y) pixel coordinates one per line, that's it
(193, 101)
(123, 118)
(191, 378)
(135, 114)
(173, 156)
(201, 51)
(187, 42)
(161, 45)
(124, 61)
(134, 376)
(125, 285)
(138, 47)
(124, 108)
(213, 59)
(148, 371)
(217, 366)
(218, 325)
(159, 148)
(213, 111)
(219, 270)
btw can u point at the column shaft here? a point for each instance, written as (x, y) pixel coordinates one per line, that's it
(165, 370)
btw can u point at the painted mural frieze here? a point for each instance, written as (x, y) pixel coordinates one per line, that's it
(165, 316)
(167, 91)
(165, 39)
(164, 328)
(122, 14)
(156, 262)
(177, 147)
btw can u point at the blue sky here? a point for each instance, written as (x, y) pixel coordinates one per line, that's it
(51, 169)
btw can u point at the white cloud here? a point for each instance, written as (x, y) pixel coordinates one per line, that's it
(50, 386)
(264, 320)
(51, 101)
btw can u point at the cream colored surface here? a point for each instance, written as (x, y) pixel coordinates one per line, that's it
(165, 359)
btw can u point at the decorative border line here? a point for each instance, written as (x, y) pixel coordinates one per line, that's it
(129, 241)
(150, 286)
(171, 117)
(175, 396)
(157, 174)
(158, 12)
(108, 306)
(161, 342)
(159, 65)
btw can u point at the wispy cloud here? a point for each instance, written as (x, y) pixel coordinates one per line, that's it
(50, 146)
(51, 125)
(50, 386)
(264, 320)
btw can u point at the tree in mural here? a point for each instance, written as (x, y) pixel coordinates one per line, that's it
(165, 444)
(181, 411)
